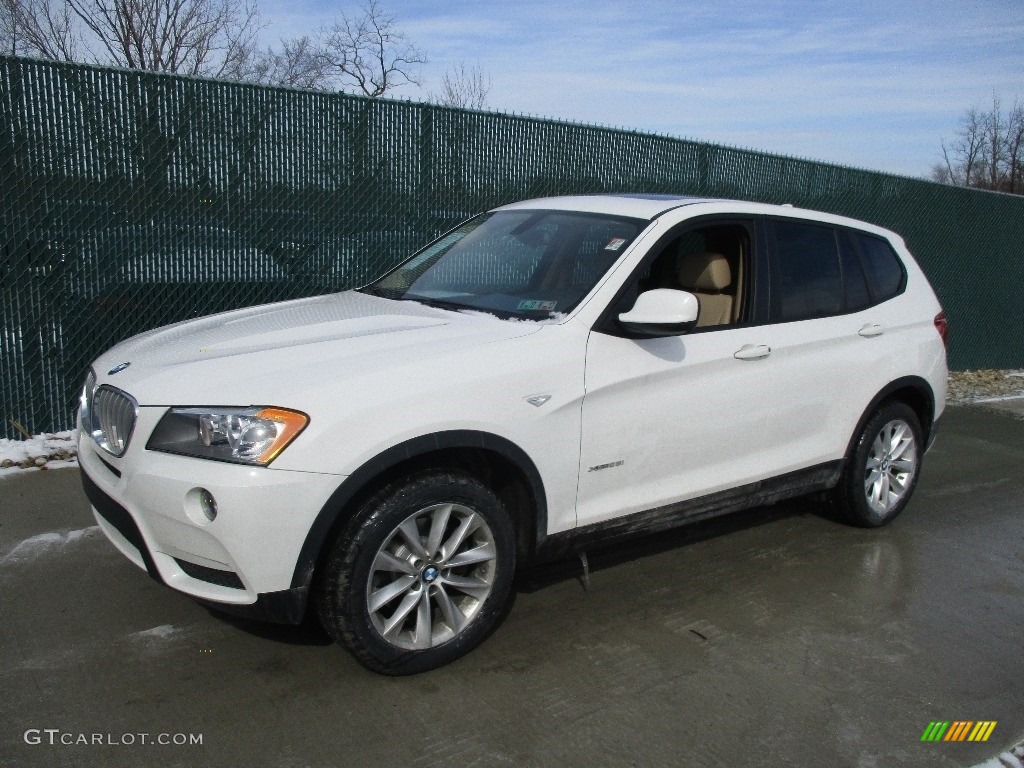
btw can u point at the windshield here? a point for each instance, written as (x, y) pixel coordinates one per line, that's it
(528, 264)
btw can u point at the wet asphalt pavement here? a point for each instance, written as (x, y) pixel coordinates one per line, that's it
(776, 637)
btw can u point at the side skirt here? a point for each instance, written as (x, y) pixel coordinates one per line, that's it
(793, 484)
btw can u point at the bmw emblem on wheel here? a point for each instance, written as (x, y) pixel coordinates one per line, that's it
(118, 368)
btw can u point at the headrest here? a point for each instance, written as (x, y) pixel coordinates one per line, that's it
(703, 271)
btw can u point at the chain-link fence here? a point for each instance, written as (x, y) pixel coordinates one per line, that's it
(131, 200)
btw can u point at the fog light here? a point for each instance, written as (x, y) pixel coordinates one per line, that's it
(200, 506)
(207, 504)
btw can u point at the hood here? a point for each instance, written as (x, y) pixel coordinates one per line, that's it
(261, 354)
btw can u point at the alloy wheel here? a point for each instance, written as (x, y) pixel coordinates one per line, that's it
(431, 576)
(891, 466)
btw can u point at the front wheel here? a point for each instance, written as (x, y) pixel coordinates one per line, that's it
(883, 467)
(421, 575)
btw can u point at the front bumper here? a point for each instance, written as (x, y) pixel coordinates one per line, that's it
(243, 561)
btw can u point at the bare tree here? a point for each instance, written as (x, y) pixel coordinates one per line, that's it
(987, 152)
(369, 53)
(1014, 148)
(961, 156)
(192, 37)
(8, 32)
(365, 52)
(299, 63)
(993, 126)
(44, 28)
(464, 88)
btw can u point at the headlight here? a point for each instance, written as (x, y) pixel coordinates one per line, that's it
(242, 435)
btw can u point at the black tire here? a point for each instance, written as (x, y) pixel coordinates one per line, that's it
(451, 598)
(882, 469)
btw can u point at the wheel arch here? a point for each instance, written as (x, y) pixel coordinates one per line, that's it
(915, 392)
(500, 462)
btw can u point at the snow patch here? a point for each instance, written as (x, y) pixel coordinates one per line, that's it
(43, 543)
(59, 659)
(161, 632)
(553, 319)
(50, 450)
(998, 399)
(1011, 758)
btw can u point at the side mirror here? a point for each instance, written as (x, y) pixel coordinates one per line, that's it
(662, 312)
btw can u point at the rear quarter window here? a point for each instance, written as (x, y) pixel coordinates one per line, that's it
(883, 267)
(858, 295)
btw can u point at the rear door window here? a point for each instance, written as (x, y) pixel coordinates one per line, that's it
(807, 279)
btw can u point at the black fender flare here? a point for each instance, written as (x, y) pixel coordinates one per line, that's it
(418, 446)
(918, 384)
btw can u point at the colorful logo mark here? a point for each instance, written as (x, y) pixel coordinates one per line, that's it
(959, 730)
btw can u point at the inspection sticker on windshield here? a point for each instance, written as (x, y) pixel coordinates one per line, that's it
(543, 306)
(615, 243)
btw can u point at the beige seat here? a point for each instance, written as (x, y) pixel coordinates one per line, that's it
(707, 276)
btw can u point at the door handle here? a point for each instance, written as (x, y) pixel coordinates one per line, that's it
(752, 352)
(871, 329)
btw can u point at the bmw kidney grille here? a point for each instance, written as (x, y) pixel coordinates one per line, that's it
(108, 414)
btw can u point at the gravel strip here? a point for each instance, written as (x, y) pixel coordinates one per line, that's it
(972, 386)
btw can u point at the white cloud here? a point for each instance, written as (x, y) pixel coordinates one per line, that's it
(874, 84)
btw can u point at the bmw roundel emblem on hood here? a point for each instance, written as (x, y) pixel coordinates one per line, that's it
(118, 368)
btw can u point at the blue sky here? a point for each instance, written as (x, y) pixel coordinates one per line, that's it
(874, 84)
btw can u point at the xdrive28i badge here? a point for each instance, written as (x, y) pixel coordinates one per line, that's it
(118, 368)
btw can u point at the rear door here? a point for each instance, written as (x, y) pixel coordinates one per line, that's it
(831, 340)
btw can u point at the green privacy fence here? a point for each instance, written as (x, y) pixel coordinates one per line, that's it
(131, 200)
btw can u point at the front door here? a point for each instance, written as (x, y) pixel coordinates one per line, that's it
(671, 419)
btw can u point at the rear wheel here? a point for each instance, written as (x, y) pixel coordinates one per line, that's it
(882, 470)
(421, 575)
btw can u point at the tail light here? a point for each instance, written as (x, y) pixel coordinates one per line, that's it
(942, 326)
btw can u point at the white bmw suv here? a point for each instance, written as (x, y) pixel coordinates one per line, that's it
(546, 375)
